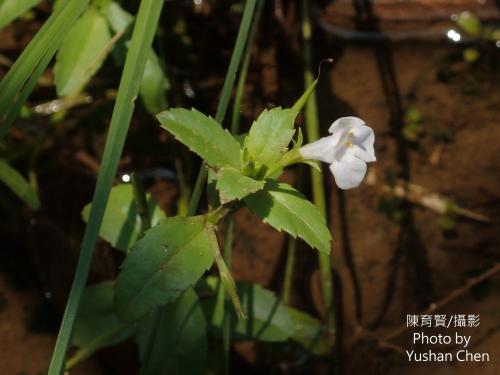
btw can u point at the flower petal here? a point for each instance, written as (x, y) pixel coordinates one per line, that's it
(323, 149)
(349, 171)
(362, 133)
(363, 143)
(345, 123)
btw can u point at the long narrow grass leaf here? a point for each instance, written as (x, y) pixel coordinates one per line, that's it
(19, 185)
(26, 91)
(142, 37)
(48, 37)
(11, 9)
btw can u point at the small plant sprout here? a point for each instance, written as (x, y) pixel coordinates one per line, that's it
(347, 150)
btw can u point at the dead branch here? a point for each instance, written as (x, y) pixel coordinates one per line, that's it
(421, 196)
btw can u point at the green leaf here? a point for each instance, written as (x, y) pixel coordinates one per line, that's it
(270, 135)
(97, 317)
(118, 18)
(309, 332)
(57, 5)
(154, 85)
(267, 318)
(233, 185)
(82, 53)
(211, 188)
(469, 23)
(169, 259)
(229, 285)
(19, 185)
(121, 225)
(240, 138)
(299, 104)
(203, 135)
(179, 344)
(284, 208)
(11, 9)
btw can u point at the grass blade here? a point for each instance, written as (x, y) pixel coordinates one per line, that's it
(26, 91)
(12, 9)
(142, 37)
(18, 185)
(34, 59)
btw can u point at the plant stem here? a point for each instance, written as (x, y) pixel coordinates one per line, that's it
(226, 324)
(229, 284)
(148, 352)
(183, 201)
(312, 126)
(138, 53)
(194, 201)
(86, 351)
(225, 274)
(291, 251)
(141, 203)
(290, 262)
(235, 128)
(235, 119)
(241, 40)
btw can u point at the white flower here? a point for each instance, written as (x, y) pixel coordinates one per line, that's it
(347, 151)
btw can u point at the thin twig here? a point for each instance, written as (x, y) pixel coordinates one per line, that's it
(104, 52)
(89, 161)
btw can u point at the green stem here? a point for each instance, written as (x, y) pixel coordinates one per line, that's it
(290, 262)
(312, 126)
(241, 40)
(148, 352)
(292, 248)
(33, 160)
(138, 53)
(291, 157)
(141, 203)
(229, 284)
(226, 324)
(197, 190)
(235, 127)
(86, 351)
(183, 201)
(235, 119)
